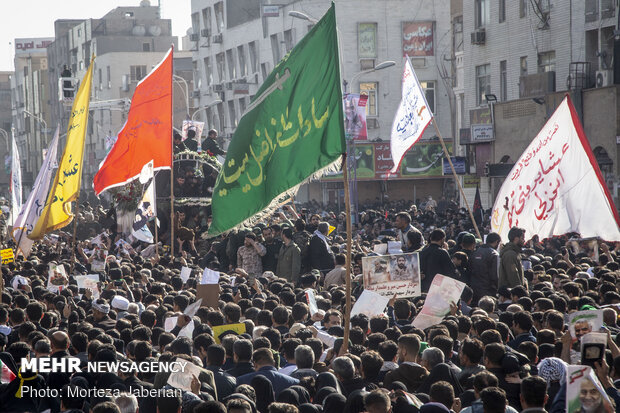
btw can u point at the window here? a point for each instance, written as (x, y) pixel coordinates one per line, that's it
(219, 16)
(208, 70)
(243, 67)
(253, 57)
(482, 13)
(146, 47)
(232, 67)
(81, 65)
(457, 28)
(232, 114)
(220, 62)
(503, 82)
(370, 89)
(546, 62)
(523, 8)
(79, 32)
(289, 41)
(109, 77)
(275, 48)
(483, 83)
(220, 114)
(264, 68)
(502, 11)
(206, 19)
(523, 66)
(100, 76)
(242, 106)
(429, 92)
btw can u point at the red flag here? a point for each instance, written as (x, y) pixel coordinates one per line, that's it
(146, 135)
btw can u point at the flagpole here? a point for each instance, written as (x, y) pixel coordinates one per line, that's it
(171, 172)
(75, 220)
(458, 183)
(347, 202)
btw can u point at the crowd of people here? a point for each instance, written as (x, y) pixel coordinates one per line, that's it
(504, 347)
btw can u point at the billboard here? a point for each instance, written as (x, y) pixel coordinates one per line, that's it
(418, 39)
(32, 45)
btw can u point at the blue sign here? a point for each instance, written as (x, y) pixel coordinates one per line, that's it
(459, 163)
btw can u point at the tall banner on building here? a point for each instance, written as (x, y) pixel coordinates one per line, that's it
(147, 134)
(16, 181)
(292, 129)
(556, 186)
(412, 117)
(66, 188)
(355, 116)
(31, 210)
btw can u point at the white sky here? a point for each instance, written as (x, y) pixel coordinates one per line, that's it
(35, 18)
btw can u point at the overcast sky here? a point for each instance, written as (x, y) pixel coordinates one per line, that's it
(35, 18)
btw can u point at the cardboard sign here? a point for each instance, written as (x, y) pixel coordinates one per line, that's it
(185, 273)
(218, 330)
(210, 277)
(582, 380)
(370, 303)
(7, 256)
(444, 291)
(183, 379)
(390, 274)
(209, 293)
(586, 321)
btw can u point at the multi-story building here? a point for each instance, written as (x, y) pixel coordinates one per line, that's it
(236, 44)
(29, 96)
(127, 42)
(514, 61)
(5, 128)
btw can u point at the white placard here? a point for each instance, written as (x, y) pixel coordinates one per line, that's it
(370, 303)
(183, 379)
(210, 277)
(444, 291)
(185, 274)
(311, 302)
(191, 309)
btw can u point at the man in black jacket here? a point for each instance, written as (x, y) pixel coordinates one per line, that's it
(321, 257)
(210, 144)
(434, 259)
(484, 267)
(225, 384)
(242, 354)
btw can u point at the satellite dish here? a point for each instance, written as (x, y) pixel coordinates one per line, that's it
(138, 30)
(154, 30)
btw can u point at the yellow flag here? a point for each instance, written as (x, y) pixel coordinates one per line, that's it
(66, 187)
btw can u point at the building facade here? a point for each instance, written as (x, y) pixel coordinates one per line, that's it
(236, 44)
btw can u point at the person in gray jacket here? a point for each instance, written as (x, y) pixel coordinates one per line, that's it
(484, 268)
(510, 268)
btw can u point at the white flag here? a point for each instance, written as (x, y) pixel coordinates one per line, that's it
(16, 182)
(146, 208)
(412, 117)
(31, 210)
(556, 186)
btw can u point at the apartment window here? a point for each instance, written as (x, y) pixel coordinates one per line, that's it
(232, 114)
(289, 41)
(264, 68)
(502, 11)
(195, 24)
(81, 65)
(79, 32)
(253, 57)
(370, 89)
(206, 19)
(483, 83)
(208, 70)
(109, 77)
(100, 76)
(523, 8)
(232, 67)
(546, 62)
(220, 114)
(275, 48)
(219, 16)
(243, 66)
(482, 13)
(429, 91)
(220, 62)
(523, 66)
(457, 28)
(503, 82)
(242, 106)
(146, 47)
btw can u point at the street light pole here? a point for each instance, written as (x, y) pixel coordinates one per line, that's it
(41, 120)
(215, 102)
(180, 79)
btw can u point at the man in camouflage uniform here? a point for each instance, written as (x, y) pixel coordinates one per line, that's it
(249, 255)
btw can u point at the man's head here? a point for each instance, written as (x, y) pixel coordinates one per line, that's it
(533, 392)
(589, 396)
(408, 347)
(323, 228)
(212, 134)
(377, 401)
(493, 239)
(403, 220)
(344, 369)
(59, 341)
(516, 235)
(582, 327)
(315, 219)
(249, 239)
(442, 392)
(268, 234)
(287, 235)
(493, 400)
(437, 236)
(332, 319)
(401, 262)
(263, 357)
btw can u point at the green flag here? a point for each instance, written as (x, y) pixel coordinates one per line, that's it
(293, 128)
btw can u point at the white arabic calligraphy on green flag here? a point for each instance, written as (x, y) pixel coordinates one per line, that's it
(293, 128)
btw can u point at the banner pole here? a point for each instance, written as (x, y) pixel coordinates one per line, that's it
(171, 171)
(347, 202)
(456, 178)
(75, 220)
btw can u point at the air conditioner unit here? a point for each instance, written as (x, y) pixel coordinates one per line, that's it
(229, 85)
(193, 37)
(478, 37)
(218, 88)
(196, 93)
(604, 78)
(205, 33)
(217, 38)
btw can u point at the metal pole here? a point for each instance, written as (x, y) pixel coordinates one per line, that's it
(456, 178)
(172, 176)
(347, 201)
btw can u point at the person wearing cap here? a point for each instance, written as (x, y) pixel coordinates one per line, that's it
(249, 255)
(511, 268)
(289, 258)
(121, 304)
